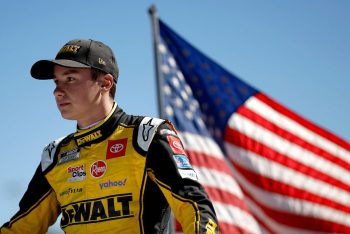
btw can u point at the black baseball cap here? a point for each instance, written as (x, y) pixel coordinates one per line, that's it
(79, 53)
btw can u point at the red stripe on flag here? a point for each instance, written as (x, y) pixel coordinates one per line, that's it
(302, 121)
(274, 186)
(300, 221)
(263, 224)
(243, 141)
(227, 198)
(291, 137)
(202, 160)
(226, 228)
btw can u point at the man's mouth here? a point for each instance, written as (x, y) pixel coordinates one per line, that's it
(63, 104)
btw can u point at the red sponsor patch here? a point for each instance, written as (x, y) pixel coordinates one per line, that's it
(116, 148)
(98, 169)
(176, 145)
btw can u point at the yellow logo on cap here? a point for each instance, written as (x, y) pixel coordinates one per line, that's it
(101, 61)
(69, 49)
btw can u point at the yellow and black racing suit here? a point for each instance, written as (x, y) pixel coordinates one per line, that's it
(119, 176)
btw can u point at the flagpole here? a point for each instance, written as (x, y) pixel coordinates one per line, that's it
(159, 79)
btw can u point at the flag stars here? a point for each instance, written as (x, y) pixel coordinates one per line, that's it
(195, 79)
(243, 90)
(189, 114)
(222, 114)
(178, 102)
(217, 133)
(200, 123)
(205, 106)
(199, 93)
(218, 101)
(209, 78)
(169, 111)
(194, 106)
(175, 82)
(211, 120)
(171, 62)
(224, 79)
(165, 69)
(180, 75)
(188, 90)
(167, 90)
(162, 49)
(233, 101)
(214, 89)
(204, 66)
(190, 66)
(184, 95)
(228, 90)
(185, 53)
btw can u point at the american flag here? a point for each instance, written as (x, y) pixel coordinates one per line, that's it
(266, 168)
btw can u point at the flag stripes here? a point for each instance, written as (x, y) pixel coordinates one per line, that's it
(215, 175)
(282, 174)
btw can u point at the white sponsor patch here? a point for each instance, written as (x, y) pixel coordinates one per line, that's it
(77, 173)
(68, 156)
(190, 174)
(167, 132)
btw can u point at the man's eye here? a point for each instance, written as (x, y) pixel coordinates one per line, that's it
(70, 79)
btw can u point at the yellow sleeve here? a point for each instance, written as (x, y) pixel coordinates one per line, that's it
(39, 208)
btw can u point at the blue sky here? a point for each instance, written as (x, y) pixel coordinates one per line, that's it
(295, 51)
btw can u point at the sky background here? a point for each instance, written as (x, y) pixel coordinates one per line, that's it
(295, 51)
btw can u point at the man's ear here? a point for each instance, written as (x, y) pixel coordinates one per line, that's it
(106, 82)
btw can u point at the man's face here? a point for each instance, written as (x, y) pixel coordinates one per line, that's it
(77, 95)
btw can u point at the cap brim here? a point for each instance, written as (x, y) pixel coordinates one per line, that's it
(43, 69)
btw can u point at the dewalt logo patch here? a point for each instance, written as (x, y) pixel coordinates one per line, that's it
(90, 137)
(97, 210)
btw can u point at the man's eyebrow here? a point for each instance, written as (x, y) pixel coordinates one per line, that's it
(68, 72)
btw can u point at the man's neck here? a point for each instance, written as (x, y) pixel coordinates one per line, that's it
(104, 111)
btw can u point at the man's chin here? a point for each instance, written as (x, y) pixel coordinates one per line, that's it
(67, 116)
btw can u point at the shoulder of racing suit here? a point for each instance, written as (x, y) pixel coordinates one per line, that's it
(145, 130)
(49, 152)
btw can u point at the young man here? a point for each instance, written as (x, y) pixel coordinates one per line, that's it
(117, 173)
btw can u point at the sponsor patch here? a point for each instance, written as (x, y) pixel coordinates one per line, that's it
(190, 174)
(182, 161)
(98, 169)
(167, 132)
(97, 210)
(68, 156)
(91, 137)
(176, 145)
(116, 148)
(77, 173)
(70, 191)
(110, 183)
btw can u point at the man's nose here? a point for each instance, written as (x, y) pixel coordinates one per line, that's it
(58, 91)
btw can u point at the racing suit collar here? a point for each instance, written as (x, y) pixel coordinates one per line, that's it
(100, 131)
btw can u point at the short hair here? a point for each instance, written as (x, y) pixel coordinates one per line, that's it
(95, 73)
